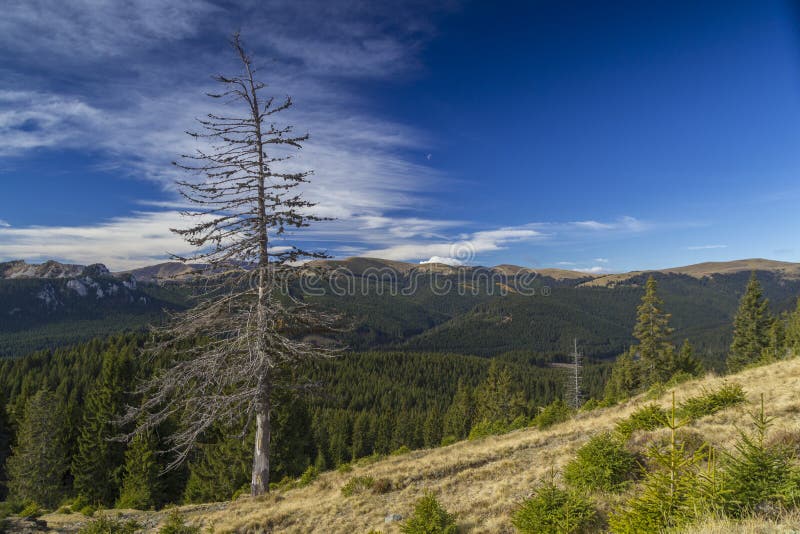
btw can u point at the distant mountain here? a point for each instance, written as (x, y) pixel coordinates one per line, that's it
(52, 303)
(408, 306)
(49, 269)
(786, 270)
(163, 272)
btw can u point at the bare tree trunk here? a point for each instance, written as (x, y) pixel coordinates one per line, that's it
(260, 480)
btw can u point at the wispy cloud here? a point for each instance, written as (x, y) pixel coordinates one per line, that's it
(132, 68)
(123, 242)
(706, 247)
(4, 224)
(596, 269)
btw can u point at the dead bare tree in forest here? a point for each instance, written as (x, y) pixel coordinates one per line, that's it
(233, 349)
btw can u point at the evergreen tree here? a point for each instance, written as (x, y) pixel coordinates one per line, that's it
(221, 467)
(625, 377)
(652, 331)
(776, 341)
(750, 327)
(793, 331)
(363, 440)
(432, 431)
(38, 465)
(383, 432)
(461, 414)
(5, 446)
(686, 362)
(291, 451)
(96, 465)
(141, 486)
(496, 401)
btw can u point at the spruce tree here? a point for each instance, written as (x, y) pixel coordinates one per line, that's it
(750, 328)
(5, 446)
(97, 464)
(652, 331)
(220, 468)
(793, 331)
(776, 342)
(685, 361)
(363, 440)
(625, 377)
(141, 486)
(496, 400)
(38, 465)
(432, 431)
(461, 414)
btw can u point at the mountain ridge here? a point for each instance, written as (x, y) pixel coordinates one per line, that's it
(357, 265)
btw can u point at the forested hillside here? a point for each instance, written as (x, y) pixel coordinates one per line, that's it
(486, 318)
(359, 405)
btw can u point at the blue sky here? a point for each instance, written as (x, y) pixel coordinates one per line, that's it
(604, 136)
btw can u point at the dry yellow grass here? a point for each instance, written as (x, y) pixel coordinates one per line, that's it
(481, 481)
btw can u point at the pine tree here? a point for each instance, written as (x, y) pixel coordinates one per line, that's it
(686, 362)
(793, 331)
(363, 440)
(652, 331)
(220, 468)
(625, 377)
(461, 414)
(5, 446)
(496, 400)
(244, 200)
(750, 328)
(97, 464)
(776, 342)
(432, 431)
(141, 486)
(38, 465)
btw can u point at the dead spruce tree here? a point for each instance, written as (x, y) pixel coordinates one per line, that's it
(244, 337)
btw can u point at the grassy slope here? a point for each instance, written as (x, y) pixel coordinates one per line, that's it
(481, 481)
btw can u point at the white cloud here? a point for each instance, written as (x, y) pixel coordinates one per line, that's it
(4, 224)
(121, 243)
(596, 269)
(463, 250)
(600, 260)
(626, 223)
(706, 247)
(443, 260)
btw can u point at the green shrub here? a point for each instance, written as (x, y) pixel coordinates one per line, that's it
(486, 428)
(673, 495)
(648, 417)
(78, 503)
(308, 476)
(601, 464)
(357, 485)
(31, 510)
(449, 440)
(88, 510)
(66, 510)
(757, 475)
(711, 402)
(402, 449)
(344, 468)
(177, 525)
(555, 412)
(244, 490)
(429, 518)
(554, 510)
(589, 405)
(106, 525)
